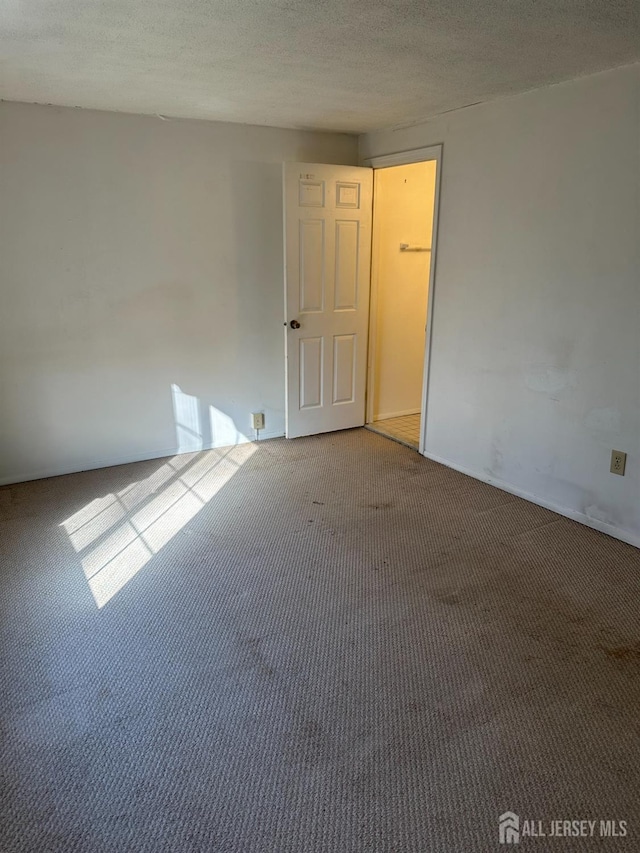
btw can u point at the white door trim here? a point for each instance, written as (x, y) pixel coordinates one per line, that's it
(402, 158)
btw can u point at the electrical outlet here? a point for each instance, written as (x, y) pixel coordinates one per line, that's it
(618, 462)
(257, 420)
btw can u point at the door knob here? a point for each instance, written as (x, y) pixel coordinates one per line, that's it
(294, 324)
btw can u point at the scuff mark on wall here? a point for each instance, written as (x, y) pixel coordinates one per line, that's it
(546, 379)
(497, 459)
(598, 514)
(603, 423)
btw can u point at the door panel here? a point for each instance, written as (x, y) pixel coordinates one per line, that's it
(312, 265)
(344, 368)
(346, 289)
(311, 370)
(327, 267)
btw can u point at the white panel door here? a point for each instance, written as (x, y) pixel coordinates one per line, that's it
(327, 237)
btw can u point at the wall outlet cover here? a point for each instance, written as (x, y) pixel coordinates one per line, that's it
(257, 420)
(618, 462)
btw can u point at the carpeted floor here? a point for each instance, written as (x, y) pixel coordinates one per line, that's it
(330, 644)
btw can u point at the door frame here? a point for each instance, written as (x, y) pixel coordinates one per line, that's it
(403, 158)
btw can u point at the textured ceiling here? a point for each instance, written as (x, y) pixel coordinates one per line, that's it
(333, 64)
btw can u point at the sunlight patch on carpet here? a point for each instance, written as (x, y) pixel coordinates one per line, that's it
(117, 534)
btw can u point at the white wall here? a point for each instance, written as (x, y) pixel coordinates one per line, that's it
(535, 367)
(141, 284)
(404, 197)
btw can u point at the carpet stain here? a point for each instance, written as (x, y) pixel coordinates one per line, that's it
(253, 645)
(448, 598)
(623, 653)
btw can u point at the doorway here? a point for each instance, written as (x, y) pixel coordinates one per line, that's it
(403, 237)
(340, 358)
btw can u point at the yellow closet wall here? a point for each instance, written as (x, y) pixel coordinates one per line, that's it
(404, 201)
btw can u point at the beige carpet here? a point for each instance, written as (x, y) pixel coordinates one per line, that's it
(330, 644)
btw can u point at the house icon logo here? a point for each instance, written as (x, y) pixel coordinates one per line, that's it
(509, 828)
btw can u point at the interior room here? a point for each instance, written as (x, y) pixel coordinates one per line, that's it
(319, 427)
